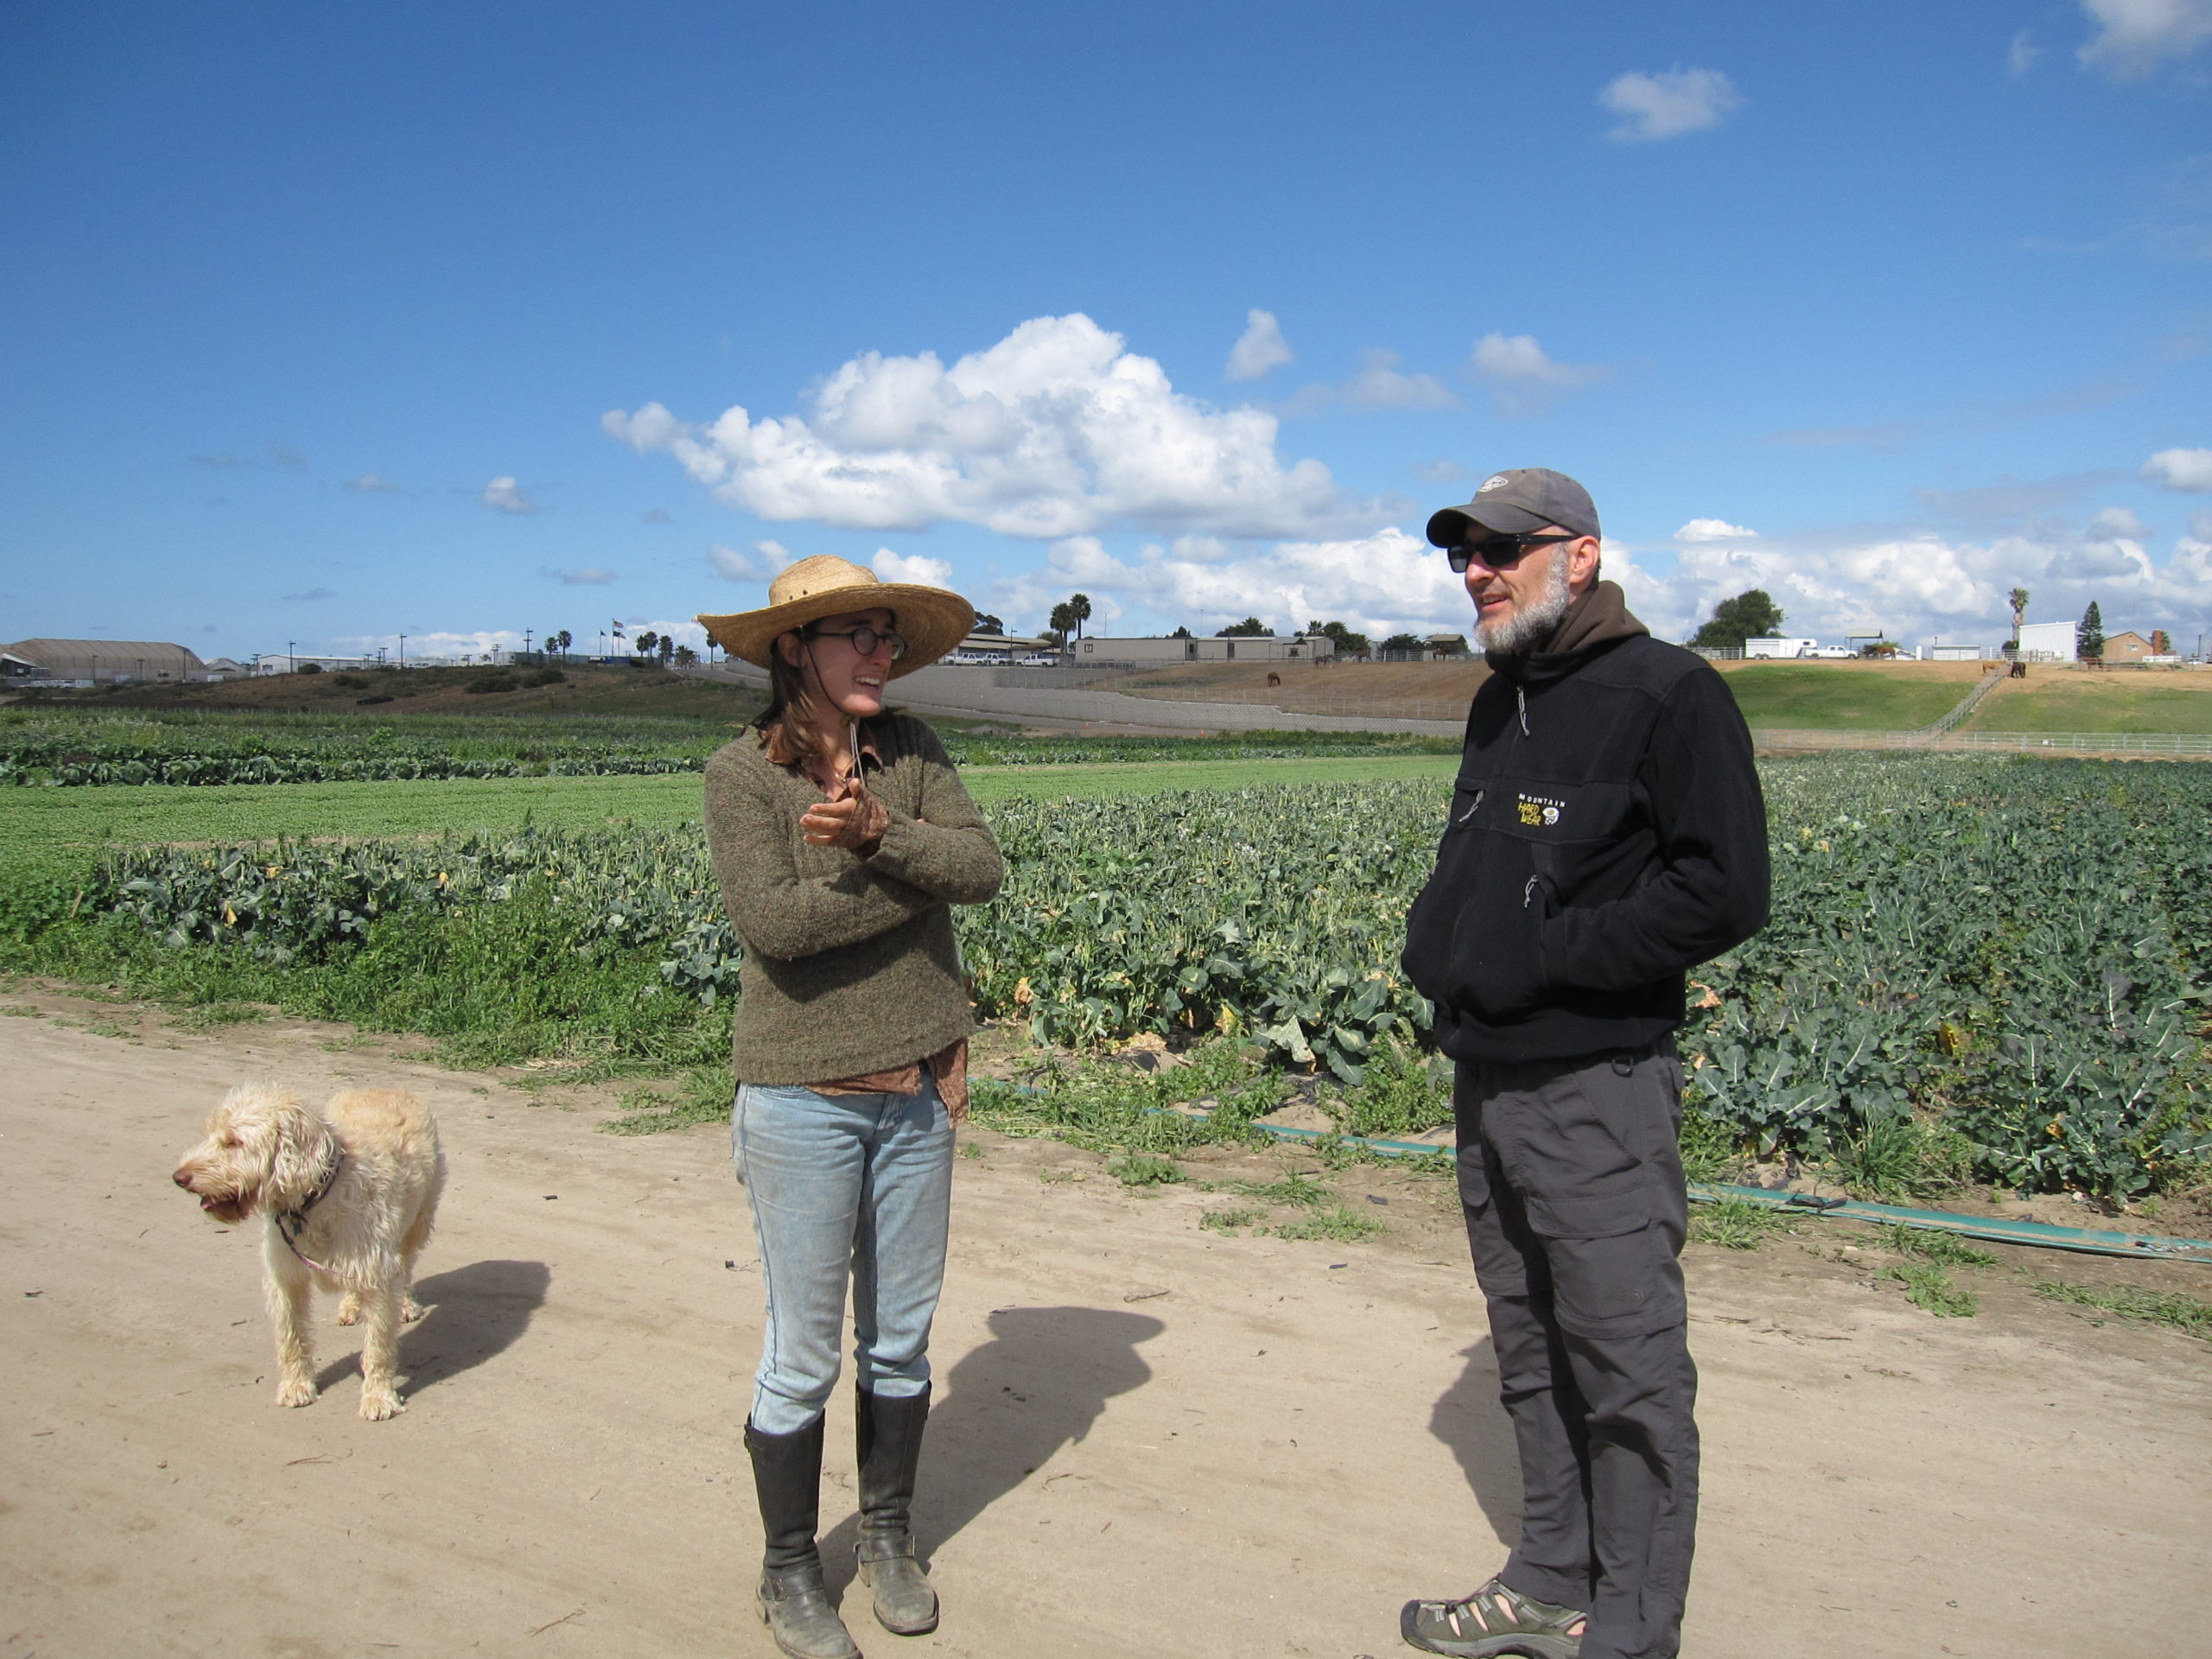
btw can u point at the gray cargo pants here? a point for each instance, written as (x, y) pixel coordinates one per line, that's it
(1571, 1174)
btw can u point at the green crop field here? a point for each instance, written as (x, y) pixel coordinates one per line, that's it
(2077, 700)
(1978, 967)
(1825, 697)
(53, 831)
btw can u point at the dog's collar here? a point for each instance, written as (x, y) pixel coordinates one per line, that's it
(290, 1224)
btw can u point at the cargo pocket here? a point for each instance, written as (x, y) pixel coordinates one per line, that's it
(1613, 1273)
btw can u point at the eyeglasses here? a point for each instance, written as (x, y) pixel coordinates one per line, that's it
(864, 640)
(1499, 552)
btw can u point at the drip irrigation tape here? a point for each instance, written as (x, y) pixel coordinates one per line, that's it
(1994, 1229)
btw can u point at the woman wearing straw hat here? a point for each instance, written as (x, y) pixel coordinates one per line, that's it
(842, 838)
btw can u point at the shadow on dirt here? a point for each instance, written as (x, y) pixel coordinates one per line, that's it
(1470, 1422)
(473, 1313)
(1008, 1406)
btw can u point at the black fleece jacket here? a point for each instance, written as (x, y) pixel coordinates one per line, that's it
(1607, 834)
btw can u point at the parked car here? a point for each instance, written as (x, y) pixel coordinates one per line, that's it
(1041, 660)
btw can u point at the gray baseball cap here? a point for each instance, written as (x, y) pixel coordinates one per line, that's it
(1514, 502)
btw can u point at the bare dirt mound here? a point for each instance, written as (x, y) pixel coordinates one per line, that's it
(1151, 1439)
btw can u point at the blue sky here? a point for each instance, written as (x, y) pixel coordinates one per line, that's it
(325, 325)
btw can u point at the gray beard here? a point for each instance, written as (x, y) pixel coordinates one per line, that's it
(1530, 625)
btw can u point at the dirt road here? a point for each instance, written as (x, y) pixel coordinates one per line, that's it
(1152, 1440)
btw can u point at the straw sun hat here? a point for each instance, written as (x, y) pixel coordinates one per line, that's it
(931, 621)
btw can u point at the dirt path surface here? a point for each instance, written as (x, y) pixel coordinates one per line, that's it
(1151, 1439)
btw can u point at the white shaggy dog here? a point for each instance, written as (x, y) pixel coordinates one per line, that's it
(347, 1196)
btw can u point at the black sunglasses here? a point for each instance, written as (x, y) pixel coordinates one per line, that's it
(863, 640)
(1499, 552)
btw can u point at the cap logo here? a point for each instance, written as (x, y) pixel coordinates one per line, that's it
(1494, 482)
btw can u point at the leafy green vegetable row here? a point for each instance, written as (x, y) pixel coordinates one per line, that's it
(2009, 961)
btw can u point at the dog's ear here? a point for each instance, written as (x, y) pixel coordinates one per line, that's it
(303, 1143)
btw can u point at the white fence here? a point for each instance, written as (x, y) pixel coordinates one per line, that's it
(2180, 744)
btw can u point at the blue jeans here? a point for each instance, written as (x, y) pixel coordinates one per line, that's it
(843, 1183)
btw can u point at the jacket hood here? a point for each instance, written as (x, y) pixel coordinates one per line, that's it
(1601, 617)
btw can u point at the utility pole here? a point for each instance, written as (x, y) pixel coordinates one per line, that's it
(525, 642)
(292, 665)
(403, 651)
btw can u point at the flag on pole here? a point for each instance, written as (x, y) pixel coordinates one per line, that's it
(618, 631)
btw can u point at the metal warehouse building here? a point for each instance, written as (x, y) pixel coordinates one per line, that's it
(104, 660)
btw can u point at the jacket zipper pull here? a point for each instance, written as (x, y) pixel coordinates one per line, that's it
(1528, 893)
(1521, 696)
(1473, 806)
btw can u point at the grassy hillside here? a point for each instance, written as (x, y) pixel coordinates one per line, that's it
(53, 831)
(1849, 696)
(2077, 700)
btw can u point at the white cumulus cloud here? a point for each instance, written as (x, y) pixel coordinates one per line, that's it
(734, 566)
(1523, 377)
(1259, 348)
(1712, 529)
(1381, 384)
(912, 567)
(1668, 104)
(505, 495)
(2181, 469)
(1057, 430)
(2135, 36)
(1916, 588)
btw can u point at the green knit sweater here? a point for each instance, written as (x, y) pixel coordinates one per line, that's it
(850, 965)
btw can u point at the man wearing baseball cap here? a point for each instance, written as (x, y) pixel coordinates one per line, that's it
(1606, 834)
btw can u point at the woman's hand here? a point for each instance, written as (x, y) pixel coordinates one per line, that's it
(856, 822)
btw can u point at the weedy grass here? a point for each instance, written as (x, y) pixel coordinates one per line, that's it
(1228, 1221)
(1105, 1107)
(1710, 1151)
(1144, 1169)
(702, 1094)
(1296, 1189)
(210, 1016)
(1402, 1092)
(1736, 1223)
(2187, 1314)
(1898, 1161)
(1944, 1249)
(1929, 1288)
(1338, 1222)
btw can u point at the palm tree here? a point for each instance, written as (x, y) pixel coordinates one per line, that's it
(1079, 609)
(1062, 620)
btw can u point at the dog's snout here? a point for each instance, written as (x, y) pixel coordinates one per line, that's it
(183, 1178)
